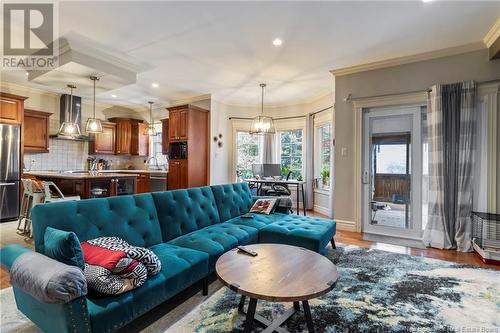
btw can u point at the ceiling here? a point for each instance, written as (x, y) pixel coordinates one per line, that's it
(225, 48)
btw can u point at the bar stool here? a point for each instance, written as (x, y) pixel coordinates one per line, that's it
(53, 193)
(32, 194)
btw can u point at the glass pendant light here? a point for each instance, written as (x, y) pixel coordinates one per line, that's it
(151, 131)
(261, 124)
(93, 124)
(69, 127)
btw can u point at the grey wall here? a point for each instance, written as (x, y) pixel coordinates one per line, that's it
(402, 78)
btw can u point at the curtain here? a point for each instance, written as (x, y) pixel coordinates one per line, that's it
(451, 126)
(309, 162)
(267, 153)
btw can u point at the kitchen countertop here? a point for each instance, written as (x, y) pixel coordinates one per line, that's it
(68, 175)
(151, 172)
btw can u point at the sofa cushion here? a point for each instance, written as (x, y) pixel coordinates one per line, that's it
(63, 246)
(232, 200)
(258, 221)
(309, 232)
(217, 239)
(132, 218)
(183, 211)
(182, 268)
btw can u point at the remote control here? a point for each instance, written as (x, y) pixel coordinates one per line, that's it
(247, 251)
(247, 216)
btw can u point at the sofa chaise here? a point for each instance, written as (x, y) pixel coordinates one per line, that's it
(187, 229)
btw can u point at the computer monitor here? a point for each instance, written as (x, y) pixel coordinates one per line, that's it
(266, 170)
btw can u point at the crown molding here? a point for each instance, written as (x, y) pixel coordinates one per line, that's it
(493, 34)
(409, 59)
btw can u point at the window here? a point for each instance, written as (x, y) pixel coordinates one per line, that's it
(247, 153)
(322, 155)
(291, 152)
(155, 147)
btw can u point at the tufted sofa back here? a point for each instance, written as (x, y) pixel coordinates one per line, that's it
(183, 211)
(132, 218)
(232, 200)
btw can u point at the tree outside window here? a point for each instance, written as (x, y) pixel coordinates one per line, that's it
(247, 153)
(324, 151)
(291, 152)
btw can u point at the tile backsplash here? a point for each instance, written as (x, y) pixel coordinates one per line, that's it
(72, 155)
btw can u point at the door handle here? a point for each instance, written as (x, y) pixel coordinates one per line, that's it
(365, 177)
(7, 184)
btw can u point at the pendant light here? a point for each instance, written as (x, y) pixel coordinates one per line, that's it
(69, 127)
(93, 124)
(261, 124)
(151, 131)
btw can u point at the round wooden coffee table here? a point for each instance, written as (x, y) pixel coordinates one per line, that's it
(279, 273)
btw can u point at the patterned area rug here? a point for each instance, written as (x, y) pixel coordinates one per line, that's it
(377, 291)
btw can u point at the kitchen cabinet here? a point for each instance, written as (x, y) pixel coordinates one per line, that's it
(164, 136)
(140, 140)
(190, 125)
(177, 174)
(110, 187)
(143, 183)
(36, 131)
(11, 108)
(178, 124)
(130, 137)
(104, 143)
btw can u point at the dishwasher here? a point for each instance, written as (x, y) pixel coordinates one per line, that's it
(158, 183)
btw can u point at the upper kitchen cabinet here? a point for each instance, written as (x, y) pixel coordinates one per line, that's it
(131, 138)
(140, 140)
(164, 136)
(36, 131)
(178, 122)
(11, 108)
(104, 143)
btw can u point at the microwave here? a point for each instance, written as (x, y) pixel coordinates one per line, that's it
(178, 151)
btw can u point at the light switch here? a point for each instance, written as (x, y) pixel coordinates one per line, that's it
(343, 151)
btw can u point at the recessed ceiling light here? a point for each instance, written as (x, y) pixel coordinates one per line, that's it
(155, 85)
(426, 0)
(27, 73)
(114, 96)
(277, 42)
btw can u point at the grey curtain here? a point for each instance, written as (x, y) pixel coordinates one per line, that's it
(268, 155)
(309, 162)
(451, 132)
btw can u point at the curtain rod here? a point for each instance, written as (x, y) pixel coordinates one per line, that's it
(285, 118)
(349, 97)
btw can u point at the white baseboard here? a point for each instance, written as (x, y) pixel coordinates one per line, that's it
(345, 225)
(321, 210)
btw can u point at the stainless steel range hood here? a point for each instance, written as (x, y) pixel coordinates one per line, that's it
(75, 115)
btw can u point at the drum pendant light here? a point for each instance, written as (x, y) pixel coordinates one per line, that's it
(262, 125)
(69, 127)
(151, 131)
(93, 124)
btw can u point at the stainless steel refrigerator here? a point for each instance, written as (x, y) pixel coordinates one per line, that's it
(10, 172)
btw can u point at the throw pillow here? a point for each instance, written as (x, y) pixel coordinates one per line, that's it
(263, 206)
(63, 246)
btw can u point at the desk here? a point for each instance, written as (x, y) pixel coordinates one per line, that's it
(299, 184)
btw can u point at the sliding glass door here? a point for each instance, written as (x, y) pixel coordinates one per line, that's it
(392, 172)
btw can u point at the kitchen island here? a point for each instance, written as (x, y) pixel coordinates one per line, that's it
(90, 184)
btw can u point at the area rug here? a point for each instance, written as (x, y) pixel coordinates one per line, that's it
(378, 292)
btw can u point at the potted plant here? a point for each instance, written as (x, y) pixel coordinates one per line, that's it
(325, 176)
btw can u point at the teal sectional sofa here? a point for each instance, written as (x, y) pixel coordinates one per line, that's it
(187, 229)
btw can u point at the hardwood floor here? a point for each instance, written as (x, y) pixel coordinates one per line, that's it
(8, 235)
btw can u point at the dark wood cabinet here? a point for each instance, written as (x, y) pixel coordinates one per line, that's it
(177, 174)
(164, 136)
(178, 126)
(104, 143)
(36, 131)
(189, 124)
(143, 183)
(11, 108)
(139, 140)
(130, 137)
